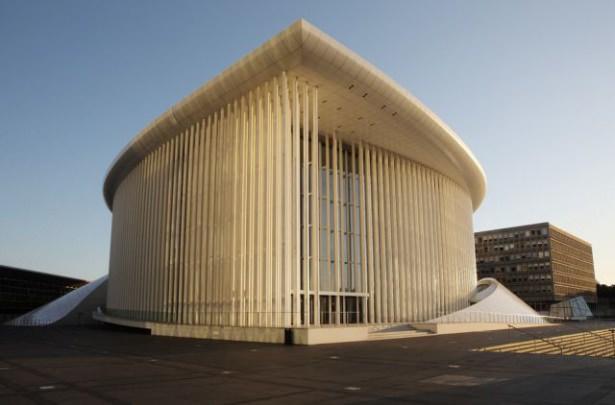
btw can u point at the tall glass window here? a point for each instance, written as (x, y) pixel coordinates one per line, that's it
(338, 230)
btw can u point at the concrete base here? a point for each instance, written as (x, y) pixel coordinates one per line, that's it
(262, 335)
(323, 335)
(297, 336)
(300, 336)
(448, 328)
(101, 317)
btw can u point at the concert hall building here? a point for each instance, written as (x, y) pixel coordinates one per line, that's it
(300, 194)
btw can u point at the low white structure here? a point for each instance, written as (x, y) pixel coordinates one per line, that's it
(493, 303)
(74, 308)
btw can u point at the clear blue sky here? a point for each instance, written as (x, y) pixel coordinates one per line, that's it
(529, 86)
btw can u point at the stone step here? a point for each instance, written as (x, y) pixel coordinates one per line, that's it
(396, 335)
(595, 344)
(395, 327)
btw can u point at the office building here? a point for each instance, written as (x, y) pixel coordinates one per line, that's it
(540, 263)
(23, 290)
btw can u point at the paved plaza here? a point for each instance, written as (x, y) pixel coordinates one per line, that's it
(83, 365)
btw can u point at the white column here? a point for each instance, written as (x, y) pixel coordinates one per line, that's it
(297, 196)
(363, 234)
(268, 211)
(306, 203)
(336, 227)
(315, 268)
(289, 211)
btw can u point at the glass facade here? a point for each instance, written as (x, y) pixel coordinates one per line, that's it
(21, 290)
(340, 291)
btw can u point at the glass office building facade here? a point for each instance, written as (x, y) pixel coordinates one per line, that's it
(23, 290)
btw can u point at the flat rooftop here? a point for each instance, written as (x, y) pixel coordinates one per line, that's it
(114, 365)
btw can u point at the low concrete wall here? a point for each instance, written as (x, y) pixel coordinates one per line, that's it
(120, 321)
(323, 335)
(448, 328)
(263, 335)
(300, 336)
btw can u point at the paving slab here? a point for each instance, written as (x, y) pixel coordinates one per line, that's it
(102, 364)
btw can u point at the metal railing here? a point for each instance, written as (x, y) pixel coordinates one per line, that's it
(610, 341)
(537, 337)
(573, 326)
(495, 317)
(561, 343)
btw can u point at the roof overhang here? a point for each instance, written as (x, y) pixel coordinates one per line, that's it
(356, 100)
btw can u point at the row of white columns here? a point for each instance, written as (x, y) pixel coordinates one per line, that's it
(203, 227)
(207, 229)
(418, 231)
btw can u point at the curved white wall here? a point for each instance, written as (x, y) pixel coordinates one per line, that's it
(492, 302)
(209, 228)
(74, 308)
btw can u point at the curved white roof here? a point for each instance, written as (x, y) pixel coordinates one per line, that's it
(492, 302)
(369, 106)
(61, 308)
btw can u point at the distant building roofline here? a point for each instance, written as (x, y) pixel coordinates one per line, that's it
(530, 226)
(3, 267)
(557, 228)
(512, 228)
